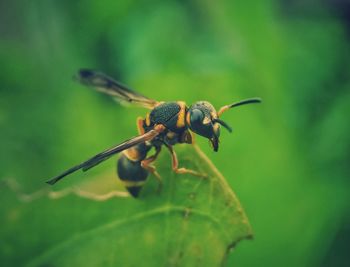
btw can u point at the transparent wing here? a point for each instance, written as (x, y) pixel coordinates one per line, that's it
(108, 85)
(97, 159)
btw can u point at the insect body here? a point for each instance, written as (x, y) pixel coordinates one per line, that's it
(167, 124)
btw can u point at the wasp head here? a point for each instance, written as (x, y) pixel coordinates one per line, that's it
(203, 119)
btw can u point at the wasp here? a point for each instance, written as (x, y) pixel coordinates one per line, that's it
(166, 124)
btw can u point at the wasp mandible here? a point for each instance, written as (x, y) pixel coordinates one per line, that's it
(167, 123)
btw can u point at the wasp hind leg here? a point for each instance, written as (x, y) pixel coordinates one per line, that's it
(175, 165)
(146, 164)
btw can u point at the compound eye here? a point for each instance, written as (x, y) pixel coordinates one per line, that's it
(197, 116)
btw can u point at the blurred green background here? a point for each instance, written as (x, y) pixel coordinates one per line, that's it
(287, 160)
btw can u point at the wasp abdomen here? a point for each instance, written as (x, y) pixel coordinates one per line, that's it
(129, 168)
(132, 175)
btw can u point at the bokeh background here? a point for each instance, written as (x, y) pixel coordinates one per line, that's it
(287, 160)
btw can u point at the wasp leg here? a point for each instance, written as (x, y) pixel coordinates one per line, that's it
(139, 123)
(175, 165)
(146, 164)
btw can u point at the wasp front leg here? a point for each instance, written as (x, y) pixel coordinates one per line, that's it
(175, 165)
(146, 164)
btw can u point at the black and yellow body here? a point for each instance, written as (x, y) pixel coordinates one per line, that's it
(133, 165)
(166, 124)
(177, 120)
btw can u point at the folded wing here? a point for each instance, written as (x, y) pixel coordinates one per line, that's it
(97, 159)
(103, 83)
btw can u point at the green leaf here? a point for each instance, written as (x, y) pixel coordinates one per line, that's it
(191, 222)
